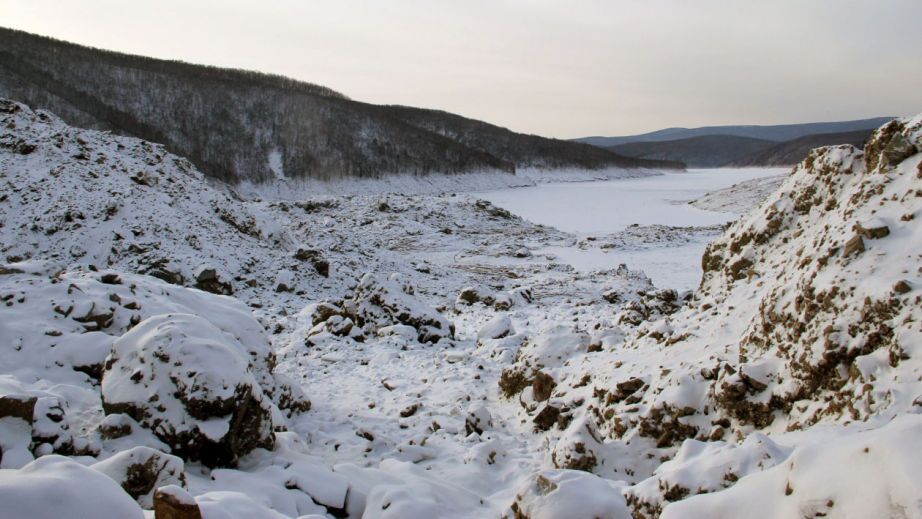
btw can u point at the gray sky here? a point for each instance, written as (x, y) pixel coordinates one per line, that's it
(564, 68)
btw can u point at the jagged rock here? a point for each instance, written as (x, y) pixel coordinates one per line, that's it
(16, 145)
(872, 230)
(471, 295)
(173, 502)
(547, 417)
(159, 270)
(542, 386)
(896, 150)
(141, 470)
(207, 279)
(321, 265)
(654, 304)
(94, 318)
(379, 307)
(189, 383)
(855, 245)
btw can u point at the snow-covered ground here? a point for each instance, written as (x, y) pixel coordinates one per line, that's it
(162, 337)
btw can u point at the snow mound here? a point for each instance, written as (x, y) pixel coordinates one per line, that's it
(874, 473)
(55, 486)
(183, 378)
(567, 493)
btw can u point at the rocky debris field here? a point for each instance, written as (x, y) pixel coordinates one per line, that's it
(168, 347)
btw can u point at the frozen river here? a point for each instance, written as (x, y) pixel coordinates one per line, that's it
(605, 207)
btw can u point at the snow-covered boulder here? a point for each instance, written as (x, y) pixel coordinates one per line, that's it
(174, 502)
(478, 419)
(552, 494)
(55, 486)
(190, 383)
(497, 328)
(142, 470)
(702, 467)
(874, 473)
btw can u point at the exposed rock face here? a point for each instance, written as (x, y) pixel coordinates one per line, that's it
(207, 279)
(321, 265)
(172, 502)
(17, 406)
(190, 384)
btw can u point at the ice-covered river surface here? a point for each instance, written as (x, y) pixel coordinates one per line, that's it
(603, 208)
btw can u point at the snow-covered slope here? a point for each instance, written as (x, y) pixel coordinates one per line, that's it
(93, 198)
(807, 322)
(392, 356)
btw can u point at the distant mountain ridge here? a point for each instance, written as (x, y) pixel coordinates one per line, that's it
(705, 151)
(240, 126)
(794, 150)
(782, 132)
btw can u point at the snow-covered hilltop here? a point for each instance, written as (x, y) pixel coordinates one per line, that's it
(167, 345)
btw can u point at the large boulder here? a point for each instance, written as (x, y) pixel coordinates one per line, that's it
(190, 383)
(142, 470)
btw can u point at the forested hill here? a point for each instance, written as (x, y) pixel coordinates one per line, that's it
(246, 126)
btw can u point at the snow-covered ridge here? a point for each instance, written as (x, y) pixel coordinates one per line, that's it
(807, 320)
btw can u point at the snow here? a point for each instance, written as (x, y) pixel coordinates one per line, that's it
(872, 473)
(275, 164)
(619, 397)
(54, 486)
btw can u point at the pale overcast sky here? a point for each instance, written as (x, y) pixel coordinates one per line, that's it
(564, 68)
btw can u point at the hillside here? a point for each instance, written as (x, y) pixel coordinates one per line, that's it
(706, 151)
(798, 353)
(528, 151)
(793, 151)
(245, 126)
(782, 132)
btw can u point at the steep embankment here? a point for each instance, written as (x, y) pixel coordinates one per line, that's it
(245, 126)
(806, 327)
